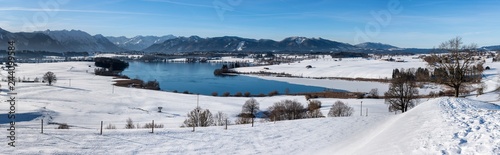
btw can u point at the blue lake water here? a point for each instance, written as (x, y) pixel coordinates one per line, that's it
(198, 78)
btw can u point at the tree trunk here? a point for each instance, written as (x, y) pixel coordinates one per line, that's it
(457, 91)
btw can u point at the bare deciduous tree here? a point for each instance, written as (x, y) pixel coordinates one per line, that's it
(50, 77)
(402, 91)
(250, 108)
(340, 109)
(220, 119)
(456, 68)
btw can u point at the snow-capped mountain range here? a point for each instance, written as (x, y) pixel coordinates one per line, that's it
(138, 43)
(80, 41)
(371, 45)
(232, 43)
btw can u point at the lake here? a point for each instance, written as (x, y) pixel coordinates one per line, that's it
(198, 78)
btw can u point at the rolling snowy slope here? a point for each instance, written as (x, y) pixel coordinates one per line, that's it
(439, 126)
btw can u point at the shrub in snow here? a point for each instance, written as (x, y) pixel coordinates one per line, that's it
(199, 117)
(480, 90)
(273, 93)
(110, 126)
(153, 85)
(243, 120)
(63, 126)
(130, 124)
(286, 110)
(151, 125)
(238, 94)
(313, 109)
(220, 119)
(340, 109)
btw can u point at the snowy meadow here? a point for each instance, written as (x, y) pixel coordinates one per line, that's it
(82, 100)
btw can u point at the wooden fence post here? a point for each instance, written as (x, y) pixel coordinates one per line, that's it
(101, 127)
(42, 126)
(361, 109)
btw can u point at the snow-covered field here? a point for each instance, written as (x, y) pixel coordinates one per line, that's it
(346, 68)
(81, 99)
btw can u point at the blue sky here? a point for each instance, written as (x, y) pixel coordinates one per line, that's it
(403, 23)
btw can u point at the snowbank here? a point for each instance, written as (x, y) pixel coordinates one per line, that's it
(439, 126)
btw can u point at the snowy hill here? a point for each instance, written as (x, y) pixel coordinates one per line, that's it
(439, 126)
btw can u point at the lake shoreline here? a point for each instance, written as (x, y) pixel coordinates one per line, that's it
(199, 78)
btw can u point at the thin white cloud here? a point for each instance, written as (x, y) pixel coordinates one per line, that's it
(69, 10)
(181, 3)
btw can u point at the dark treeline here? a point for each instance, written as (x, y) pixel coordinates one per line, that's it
(348, 55)
(109, 66)
(111, 63)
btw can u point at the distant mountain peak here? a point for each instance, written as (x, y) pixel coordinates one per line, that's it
(374, 45)
(297, 39)
(138, 42)
(492, 48)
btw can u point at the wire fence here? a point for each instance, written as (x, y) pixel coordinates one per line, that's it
(100, 127)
